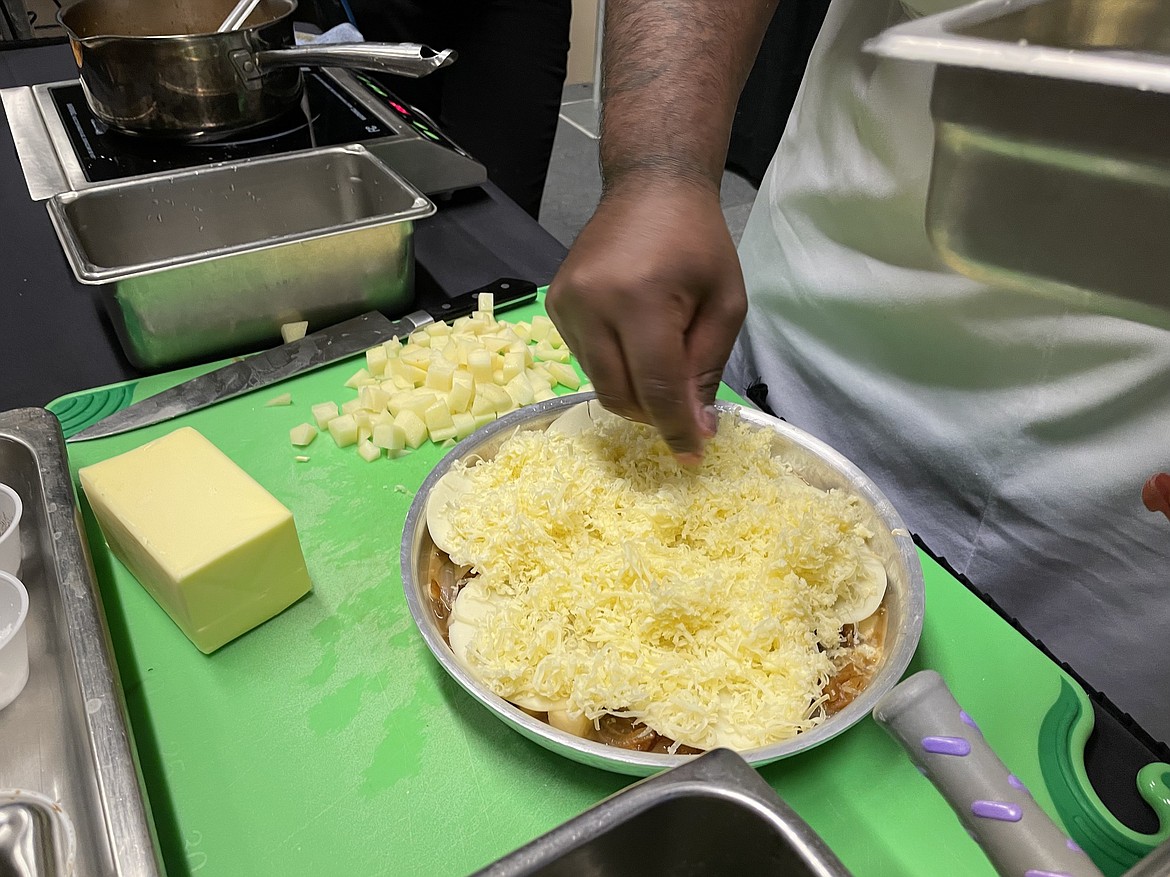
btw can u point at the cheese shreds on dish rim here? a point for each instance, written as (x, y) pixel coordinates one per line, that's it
(707, 603)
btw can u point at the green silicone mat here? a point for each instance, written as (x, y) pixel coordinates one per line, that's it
(328, 741)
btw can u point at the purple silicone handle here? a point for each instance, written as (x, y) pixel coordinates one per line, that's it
(994, 806)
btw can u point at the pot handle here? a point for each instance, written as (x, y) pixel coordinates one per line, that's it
(410, 60)
(993, 805)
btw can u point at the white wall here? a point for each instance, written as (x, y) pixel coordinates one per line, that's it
(583, 42)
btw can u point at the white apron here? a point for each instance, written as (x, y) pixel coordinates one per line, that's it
(1013, 432)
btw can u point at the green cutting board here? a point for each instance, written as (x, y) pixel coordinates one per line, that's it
(328, 740)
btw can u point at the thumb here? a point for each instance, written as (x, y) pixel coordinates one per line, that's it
(710, 339)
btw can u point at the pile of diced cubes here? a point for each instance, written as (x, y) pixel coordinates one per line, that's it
(444, 382)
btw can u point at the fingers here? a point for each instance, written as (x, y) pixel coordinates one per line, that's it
(595, 342)
(711, 336)
(611, 381)
(650, 299)
(660, 376)
(1156, 494)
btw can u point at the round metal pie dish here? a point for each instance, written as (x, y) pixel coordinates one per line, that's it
(816, 462)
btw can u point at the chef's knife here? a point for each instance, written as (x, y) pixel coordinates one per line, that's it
(297, 357)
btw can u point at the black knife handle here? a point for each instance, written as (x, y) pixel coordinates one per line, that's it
(507, 292)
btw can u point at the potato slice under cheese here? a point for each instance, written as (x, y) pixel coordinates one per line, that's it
(871, 588)
(579, 418)
(447, 492)
(471, 608)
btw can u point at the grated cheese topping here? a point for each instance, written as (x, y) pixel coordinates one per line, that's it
(705, 603)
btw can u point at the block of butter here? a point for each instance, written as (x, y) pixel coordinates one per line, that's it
(216, 550)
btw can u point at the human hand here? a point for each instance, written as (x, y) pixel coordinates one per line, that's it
(1156, 494)
(650, 299)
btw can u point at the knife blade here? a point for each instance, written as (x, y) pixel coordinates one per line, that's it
(297, 357)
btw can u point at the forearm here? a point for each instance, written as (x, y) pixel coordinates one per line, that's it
(672, 71)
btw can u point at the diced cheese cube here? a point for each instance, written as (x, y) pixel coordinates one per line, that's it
(359, 377)
(350, 406)
(486, 302)
(216, 551)
(411, 373)
(443, 434)
(461, 325)
(439, 375)
(368, 451)
(520, 390)
(323, 413)
(554, 338)
(419, 402)
(344, 430)
(294, 331)
(494, 343)
(439, 327)
(393, 348)
(481, 405)
(539, 378)
(564, 374)
(390, 436)
(365, 431)
(413, 427)
(523, 330)
(462, 392)
(513, 365)
(484, 419)
(541, 326)
(376, 360)
(419, 338)
(542, 394)
(373, 398)
(415, 355)
(479, 363)
(282, 399)
(496, 397)
(464, 424)
(302, 435)
(547, 353)
(437, 417)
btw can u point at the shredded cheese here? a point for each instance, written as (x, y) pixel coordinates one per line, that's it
(705, 603)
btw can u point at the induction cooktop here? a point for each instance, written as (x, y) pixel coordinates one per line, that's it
(339, 107)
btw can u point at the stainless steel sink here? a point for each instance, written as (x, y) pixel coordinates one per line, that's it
(1051, 169)
(713, 816)
(211, 261)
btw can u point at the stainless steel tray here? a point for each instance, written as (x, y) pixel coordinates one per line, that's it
(212, 261)
(1051, 172)
(711, 817)
(66, 735)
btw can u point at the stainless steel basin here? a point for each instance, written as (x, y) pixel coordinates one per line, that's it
(712, 817)
(212, 261)
(71, 799)
(1051, 167)
(1082, 25)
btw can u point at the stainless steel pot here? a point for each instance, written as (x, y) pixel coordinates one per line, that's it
(161, 69)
